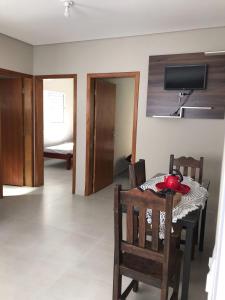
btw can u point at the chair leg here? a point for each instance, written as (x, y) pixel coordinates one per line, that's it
(117, 283)
(164, 290)
(176, 285)
(164, 293)
(136, 286)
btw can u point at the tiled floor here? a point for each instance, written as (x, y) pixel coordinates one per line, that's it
(55, 246)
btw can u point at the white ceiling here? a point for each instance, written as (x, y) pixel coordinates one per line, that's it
(42, 21)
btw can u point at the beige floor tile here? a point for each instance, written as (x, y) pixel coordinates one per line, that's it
(57, 246)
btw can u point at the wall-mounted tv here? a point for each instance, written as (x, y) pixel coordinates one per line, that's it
(185, 77)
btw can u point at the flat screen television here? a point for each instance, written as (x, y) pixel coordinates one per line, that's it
(185, 77)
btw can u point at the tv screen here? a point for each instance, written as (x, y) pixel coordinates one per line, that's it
(185, 77)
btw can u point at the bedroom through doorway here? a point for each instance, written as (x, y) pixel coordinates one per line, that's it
(56, 110)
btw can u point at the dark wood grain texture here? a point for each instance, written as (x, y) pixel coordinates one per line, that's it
(105, 105)
(26, 127)
(65, 156)
(188, 166)
(140, 259)
(38, 133)
(13, 74)
(164, 102)
(28, 131)
(137, 173)
(192, 167)
(12, 131)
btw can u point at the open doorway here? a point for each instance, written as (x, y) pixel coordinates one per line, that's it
(55, 130)
(112, 104)
(16, 130)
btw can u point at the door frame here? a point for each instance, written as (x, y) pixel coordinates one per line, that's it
(38, 132)
(89, 158)
(15, 74)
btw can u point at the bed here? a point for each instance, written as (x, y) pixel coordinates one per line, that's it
(61, 151)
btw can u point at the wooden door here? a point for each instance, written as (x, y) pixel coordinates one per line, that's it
(12, 143)
(105, 101)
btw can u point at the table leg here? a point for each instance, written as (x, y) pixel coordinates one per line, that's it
(195, 240)
(187, 262)
(202, 228)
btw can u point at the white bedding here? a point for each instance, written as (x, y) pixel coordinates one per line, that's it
(64, 148)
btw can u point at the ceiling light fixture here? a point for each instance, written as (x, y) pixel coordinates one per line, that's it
(67, 5)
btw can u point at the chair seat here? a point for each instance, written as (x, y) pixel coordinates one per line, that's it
(152, 271)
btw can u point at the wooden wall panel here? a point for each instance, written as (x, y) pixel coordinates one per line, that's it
(164, 102)
(39, 155)
(12, 145)
(28, 131)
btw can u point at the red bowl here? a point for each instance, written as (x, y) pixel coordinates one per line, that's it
(183, 188)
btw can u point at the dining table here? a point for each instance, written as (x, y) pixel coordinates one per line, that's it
(189, 213)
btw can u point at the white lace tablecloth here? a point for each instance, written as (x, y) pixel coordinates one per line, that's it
(193, 200)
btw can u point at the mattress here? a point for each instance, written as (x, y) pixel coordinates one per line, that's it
(64, 148)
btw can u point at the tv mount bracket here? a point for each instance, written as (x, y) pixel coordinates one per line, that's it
(184, 93)
(181, 111)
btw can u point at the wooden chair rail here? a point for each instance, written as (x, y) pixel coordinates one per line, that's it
(189, 165)
(146, 253)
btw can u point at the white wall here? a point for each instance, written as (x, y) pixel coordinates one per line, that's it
(57, 133)
(156, 139)
(15, 55)
(215, 278)
(123, 121)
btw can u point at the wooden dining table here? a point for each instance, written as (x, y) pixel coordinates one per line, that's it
(190, 222)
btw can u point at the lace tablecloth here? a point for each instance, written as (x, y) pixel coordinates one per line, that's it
(193, 200)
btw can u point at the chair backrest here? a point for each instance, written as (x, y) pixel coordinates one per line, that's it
(135, 200)
(137, 173)
(188, 166)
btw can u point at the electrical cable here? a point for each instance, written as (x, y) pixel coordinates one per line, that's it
(182, 104)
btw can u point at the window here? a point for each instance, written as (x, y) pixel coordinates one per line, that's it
(53, 107)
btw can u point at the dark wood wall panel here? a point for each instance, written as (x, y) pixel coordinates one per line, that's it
(39, 152)
(164, 102)
(28, 131)
(12, 145)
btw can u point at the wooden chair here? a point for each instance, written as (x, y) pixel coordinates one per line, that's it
(137, 173)
(137, 177)
(192, 167)
(153, 263)
(188, 166)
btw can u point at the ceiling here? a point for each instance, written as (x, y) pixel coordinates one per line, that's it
(42, 21)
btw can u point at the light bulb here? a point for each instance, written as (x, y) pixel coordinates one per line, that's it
(66, 12)
(67, 5)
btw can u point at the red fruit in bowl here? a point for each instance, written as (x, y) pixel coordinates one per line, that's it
(172, 182)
